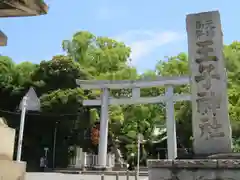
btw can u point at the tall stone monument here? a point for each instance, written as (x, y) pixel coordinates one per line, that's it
(211, 125)
(9, 169)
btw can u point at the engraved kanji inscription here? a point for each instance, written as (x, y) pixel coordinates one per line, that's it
(210, 129)
(199, 29)
(204, 76)
(207, 68)
(207, 78)
(205, 28)
(203, 50)
(205, 104)
(202, 94)
(209, 28)
(206, 59)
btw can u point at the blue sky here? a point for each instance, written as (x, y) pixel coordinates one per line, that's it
(153, 28)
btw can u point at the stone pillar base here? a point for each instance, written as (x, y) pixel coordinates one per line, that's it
(197, 169)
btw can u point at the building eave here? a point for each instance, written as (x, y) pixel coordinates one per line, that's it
(18, 8)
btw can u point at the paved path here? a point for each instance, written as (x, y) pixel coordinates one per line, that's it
(60, 176)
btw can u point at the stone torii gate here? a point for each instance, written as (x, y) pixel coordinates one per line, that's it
(169, 98)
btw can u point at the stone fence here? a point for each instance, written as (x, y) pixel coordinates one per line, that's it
(89, 161)
(201, 169)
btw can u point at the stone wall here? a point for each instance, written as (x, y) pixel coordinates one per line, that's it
(7, 142)
(205, 169)
(9, 169)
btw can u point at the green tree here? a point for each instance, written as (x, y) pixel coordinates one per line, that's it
(94, 57)
(99, 55)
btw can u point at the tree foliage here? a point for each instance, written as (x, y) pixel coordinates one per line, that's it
(92, 57)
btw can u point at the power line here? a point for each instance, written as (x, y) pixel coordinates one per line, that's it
(40, 114)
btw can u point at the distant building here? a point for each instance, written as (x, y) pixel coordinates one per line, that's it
(20, 8)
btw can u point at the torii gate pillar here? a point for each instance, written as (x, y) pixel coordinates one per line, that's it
(103, 140)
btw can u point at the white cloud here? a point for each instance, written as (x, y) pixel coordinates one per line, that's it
(144, 42)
